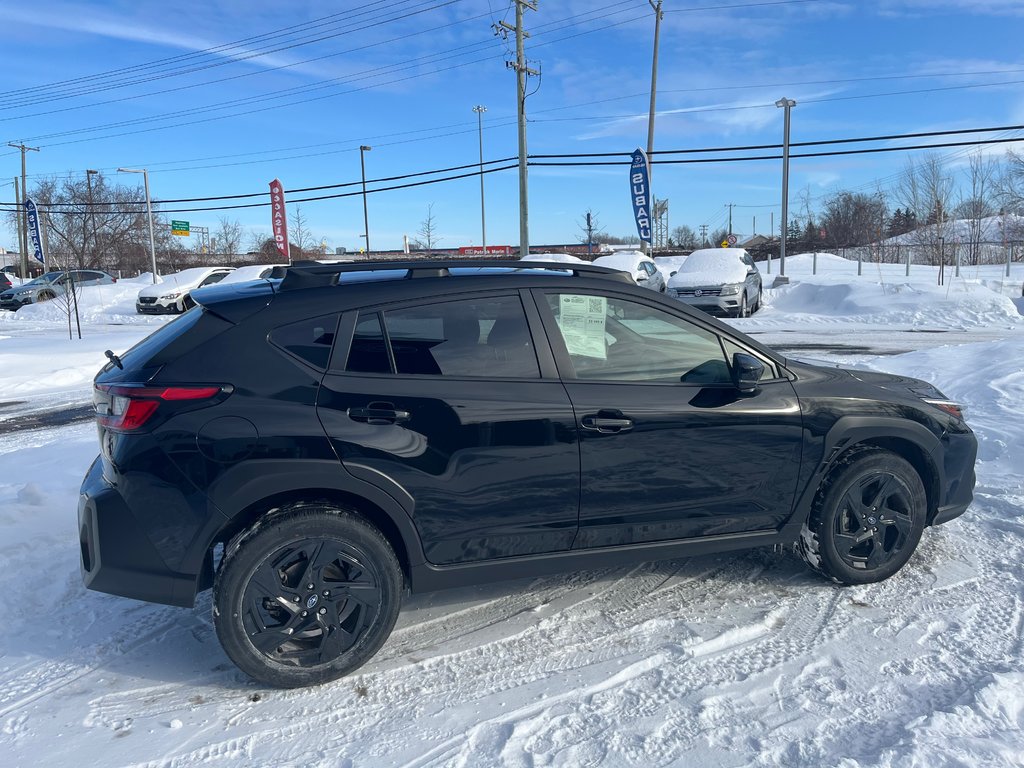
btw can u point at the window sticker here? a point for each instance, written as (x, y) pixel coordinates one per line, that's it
(582, 321)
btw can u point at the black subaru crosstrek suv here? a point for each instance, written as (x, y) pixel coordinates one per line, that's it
(312, 445)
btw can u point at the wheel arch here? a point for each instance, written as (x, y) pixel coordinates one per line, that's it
(912, 441)
(252, 489)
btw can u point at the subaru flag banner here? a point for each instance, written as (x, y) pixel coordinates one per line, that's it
(279, 218)
(640, 189)
(34, 235)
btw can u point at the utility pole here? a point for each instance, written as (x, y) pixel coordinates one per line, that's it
(363, 149)
(24, 195)
(730, 205)
(786, 104)
(753, 227)
(92, 213)
(480, 109)
(703, 235)
(658, 15)
(20, 212)
(522, 71)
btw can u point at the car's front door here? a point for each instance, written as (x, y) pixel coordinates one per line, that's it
(669, 448)
(447, 401)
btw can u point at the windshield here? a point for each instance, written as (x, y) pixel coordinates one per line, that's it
(46, 279)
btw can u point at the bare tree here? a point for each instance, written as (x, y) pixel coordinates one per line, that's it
(976, 202)
(683, 237)
(227, 239)
(925, 189)
(302, 243)
(853, 218)
(428, 237)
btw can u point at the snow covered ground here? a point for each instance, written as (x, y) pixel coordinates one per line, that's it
(733, 660)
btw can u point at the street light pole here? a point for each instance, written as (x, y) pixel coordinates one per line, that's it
(363, 149)
(786, 104)
(480, 109)
(149, 211)
(654, 92)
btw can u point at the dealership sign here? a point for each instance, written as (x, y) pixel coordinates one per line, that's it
(279, 220)
(640, 190)
(35, 239)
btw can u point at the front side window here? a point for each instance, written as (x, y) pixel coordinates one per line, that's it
(474, 337)
(615, 339)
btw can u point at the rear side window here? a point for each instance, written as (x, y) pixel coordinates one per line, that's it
(486, 337)
(310, 340)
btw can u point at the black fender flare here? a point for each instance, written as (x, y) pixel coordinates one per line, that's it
(250, 482)
(848, 431)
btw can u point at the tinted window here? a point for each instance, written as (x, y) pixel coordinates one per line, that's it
(368, 353)
(310, 340)
(216, 277)
(617, 339)
(476, 337)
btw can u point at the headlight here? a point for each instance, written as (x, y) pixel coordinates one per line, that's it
(954, 409)
(730, 290)
(174, 295)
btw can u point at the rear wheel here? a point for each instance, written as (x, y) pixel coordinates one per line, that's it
(867, 518)
(307, 597)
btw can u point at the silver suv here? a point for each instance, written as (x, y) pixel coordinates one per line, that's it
(721, 281)
(50, 286)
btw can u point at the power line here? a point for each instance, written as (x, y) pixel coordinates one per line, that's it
(832, 153)
(264, 71)
(220, 62)
(321, 85)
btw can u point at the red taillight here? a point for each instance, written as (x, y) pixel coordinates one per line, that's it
(129, 408)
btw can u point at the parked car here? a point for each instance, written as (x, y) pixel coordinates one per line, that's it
(723, 281)
(310, 447)
(566, 258)
(50, 286)
(640, 266)
(252, 272)
(173, 294)
(5, 281)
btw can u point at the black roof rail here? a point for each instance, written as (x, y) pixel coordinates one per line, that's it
(308, 274)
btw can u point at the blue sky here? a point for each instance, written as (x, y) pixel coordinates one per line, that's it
(402, 76)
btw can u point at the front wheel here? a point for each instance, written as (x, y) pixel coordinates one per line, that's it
(866, 520)
(46, 296)
(306, 597)
(744, 309)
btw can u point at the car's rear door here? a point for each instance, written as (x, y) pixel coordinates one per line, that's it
(669, 448)
(445, 401)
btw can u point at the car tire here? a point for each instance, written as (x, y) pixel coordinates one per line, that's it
(187, 302)
(744, 308)
(284, 632)
(46, 296)
(867, 518)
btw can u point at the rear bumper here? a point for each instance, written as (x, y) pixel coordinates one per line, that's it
(116, 555)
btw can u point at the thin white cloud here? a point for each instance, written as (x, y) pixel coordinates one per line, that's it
(69, 18)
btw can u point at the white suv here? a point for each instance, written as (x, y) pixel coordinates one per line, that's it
(721, 281)
(173, 293)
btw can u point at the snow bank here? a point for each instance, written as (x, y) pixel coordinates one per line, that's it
(96, 304)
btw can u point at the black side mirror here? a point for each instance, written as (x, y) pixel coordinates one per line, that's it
(673, 273)
(746, 371)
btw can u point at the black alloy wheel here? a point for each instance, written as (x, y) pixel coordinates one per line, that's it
(867, 519)
(187, 302)
(306, 597)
